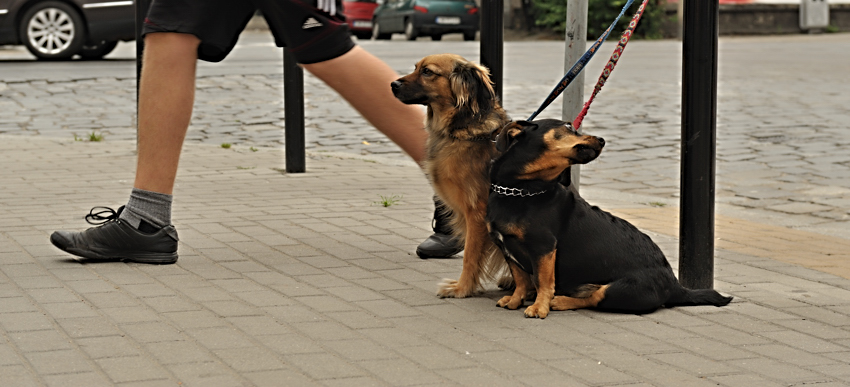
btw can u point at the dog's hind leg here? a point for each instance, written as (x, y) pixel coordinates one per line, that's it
(640, 292)
(523, 284)
(587, 296)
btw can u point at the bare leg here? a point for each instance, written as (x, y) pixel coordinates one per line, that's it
(166, 97)
(364, 81)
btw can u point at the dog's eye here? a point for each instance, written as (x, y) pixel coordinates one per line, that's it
(427, 71)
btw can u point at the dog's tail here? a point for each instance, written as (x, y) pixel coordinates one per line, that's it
(689, 297)
(495, 268)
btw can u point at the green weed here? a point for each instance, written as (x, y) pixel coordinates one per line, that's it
(390, 200)
(92, 137)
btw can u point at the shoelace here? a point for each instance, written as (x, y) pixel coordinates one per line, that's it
(101, 215)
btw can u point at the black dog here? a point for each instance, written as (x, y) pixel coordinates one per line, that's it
(572, 254)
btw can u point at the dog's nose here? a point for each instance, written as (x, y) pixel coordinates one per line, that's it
(395, 85)
(601, 141)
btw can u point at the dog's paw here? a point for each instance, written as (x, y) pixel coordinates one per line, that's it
(510, 302)
(537, 311)
(450, 288)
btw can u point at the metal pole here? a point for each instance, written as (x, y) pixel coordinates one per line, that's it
(492, 40)
(576, 44)
(699, 107)
(141, 12)
(293, 106)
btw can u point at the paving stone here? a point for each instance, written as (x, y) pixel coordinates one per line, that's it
(298, 278)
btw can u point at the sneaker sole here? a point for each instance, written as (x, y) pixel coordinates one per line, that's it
(114, 255)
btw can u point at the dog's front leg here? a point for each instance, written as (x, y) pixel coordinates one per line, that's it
(545, 275)
(523, 283)
(473, 259)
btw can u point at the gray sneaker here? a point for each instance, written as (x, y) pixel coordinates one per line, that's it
(115, 240)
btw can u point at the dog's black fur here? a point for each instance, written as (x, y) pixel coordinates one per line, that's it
(566, 250)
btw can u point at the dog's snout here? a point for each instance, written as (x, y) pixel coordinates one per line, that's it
(601, 141)
(395, 85)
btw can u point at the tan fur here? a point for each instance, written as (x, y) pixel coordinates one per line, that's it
(545, 287)
(523, 284)
(458, 158)
(559, 148)
(588, 301)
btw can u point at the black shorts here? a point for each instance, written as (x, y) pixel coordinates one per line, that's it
(311, 34)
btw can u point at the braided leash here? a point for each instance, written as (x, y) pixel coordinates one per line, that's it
(580, 64)
(621, 46)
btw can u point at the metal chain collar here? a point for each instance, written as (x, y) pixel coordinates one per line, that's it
(521, 192)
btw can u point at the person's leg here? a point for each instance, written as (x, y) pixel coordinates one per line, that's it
(141, 231)
(364, 81)
(166, 97)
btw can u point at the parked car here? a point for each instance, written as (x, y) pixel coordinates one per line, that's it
(60, 29)
(358, 15)
(433, 18)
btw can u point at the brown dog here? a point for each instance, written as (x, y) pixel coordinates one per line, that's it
(463, 116)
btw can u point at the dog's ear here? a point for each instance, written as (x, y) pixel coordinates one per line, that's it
(509, 134)
(472, 87)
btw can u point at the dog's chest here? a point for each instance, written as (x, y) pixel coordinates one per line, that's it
(459, 162)
(509, 254)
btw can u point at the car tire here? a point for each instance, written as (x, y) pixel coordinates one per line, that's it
(97, 51)
(436, 37)
(410, 32)
(363, 35)
(376, 32)
(469, 36)
(52, 30)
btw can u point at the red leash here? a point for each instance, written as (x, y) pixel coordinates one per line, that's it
(624, 39)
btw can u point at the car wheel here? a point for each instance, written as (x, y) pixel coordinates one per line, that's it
(410, 32)
(437, 37)
(363, 35)
(376, 32)
(52, 30)
(97, 51)
(469, 36)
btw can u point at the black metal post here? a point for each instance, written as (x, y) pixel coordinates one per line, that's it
(492, 40)
(141, 12)
(699, 108)
(293, 106)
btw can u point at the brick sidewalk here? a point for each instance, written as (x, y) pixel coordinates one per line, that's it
(304, 280)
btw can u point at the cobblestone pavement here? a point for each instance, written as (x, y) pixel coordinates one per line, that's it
(304, 280)
(783, 151)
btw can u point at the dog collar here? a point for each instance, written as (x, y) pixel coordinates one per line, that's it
(521, 192)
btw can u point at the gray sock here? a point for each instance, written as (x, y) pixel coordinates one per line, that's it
(152, 207)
